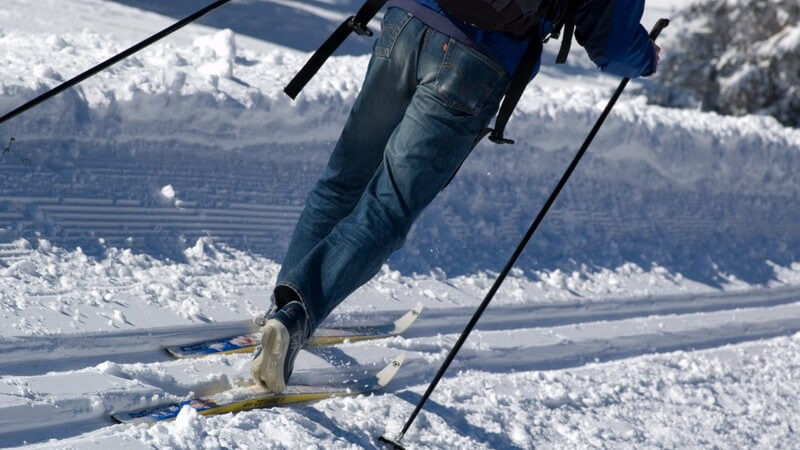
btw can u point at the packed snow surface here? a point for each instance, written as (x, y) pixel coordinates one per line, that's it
(657, 307)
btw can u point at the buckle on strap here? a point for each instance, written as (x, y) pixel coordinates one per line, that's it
(358, 28)
(497, 137)
(553, 34)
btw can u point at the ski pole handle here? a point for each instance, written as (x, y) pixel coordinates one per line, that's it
(658, 28)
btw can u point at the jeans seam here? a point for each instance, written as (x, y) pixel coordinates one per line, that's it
(423, 123)
(444, 60)
(424, 41)
(387, 167)
(395, 35)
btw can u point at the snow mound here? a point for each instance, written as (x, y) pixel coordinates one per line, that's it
(51, 290)
(219, 51)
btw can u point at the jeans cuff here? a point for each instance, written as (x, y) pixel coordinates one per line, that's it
(299, 297)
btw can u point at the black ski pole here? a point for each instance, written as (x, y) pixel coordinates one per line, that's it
(396, 443)
(111, 61)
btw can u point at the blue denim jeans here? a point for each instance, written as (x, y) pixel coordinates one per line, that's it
(423, 102)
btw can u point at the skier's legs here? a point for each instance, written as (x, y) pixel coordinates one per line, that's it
(459, 91)
(385, 94)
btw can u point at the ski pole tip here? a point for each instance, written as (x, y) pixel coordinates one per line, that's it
(391, 444)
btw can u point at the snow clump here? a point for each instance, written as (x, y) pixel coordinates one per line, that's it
(218, 53)
(168, 192)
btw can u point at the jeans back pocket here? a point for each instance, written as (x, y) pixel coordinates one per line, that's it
(393, 23)
(467, 78)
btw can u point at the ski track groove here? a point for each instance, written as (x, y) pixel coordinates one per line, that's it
(12, 252)
(80, 218)
(30, 355)
(77, 219)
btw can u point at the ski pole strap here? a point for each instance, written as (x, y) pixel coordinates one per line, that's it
(522, 75)
(357, 23)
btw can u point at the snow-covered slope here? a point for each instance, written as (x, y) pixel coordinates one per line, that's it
(657, 306)
(210, 120)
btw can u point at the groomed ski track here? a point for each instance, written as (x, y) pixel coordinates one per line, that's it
(509, 339)
(38, 354)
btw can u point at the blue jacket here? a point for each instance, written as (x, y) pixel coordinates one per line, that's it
(609, 30)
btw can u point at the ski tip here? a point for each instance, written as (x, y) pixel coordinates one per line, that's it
(387, 373)
(174, 352)
(403, 323)
(134, 417)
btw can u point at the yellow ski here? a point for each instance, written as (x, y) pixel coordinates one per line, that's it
(251, 397)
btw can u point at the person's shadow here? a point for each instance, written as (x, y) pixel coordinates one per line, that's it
(301, 25)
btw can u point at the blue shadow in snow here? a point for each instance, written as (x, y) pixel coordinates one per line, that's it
(456, 420)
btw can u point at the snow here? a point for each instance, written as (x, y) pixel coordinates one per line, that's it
(782, 43)
(657, 307)
(545, 328)
(168, 192)
(220, 50)
(734, 57)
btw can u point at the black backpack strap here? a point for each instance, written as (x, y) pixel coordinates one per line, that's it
(522, 75)
(524, 72)
(569, 30)
(357, 23)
